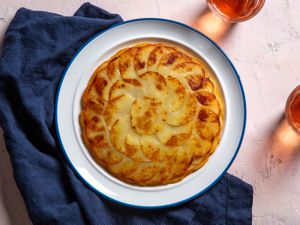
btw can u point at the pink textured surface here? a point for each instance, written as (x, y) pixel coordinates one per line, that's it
(265, 51)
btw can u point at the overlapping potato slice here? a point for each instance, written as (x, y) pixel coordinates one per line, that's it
(174, 136)
(200, 145)
(152, 148)
(145, 172)
(116, 108)
(124, 169)
(107, 155)
(182, 160)
(132, 144)
(207, 85)
(126, 64)
(147, 115)
(130, 87)
(95, 128)
(161, 176)
(184, 114)
(208, 125)
(195, 77)
(93, 97)
(154, 86)
(113, 75)
(141, 58)
(172, 62)
(208, 99)
(112, 70)
(156, 55)
(151, 115)
(176, 94)
(118, 134)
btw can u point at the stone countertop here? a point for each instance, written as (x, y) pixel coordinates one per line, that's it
(265, 51)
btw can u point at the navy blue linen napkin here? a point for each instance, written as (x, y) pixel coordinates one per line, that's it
(37, 47)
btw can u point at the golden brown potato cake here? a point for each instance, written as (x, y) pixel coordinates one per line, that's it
(152, 114)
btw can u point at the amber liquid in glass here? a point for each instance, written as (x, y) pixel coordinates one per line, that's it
(293, 110)
(236, 10)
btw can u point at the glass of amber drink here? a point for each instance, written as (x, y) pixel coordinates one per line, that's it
(292, 110)
(235, 10)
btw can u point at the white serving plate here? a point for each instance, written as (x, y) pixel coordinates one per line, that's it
(99, 49)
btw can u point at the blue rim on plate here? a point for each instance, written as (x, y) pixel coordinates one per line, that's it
(166, 205)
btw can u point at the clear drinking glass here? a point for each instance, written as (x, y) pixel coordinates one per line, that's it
(236, 10)
(292, 110)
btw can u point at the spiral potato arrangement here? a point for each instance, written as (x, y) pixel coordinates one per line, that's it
(151, 115)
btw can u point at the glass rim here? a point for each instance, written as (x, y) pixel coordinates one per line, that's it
(251, 14)
(289, 101)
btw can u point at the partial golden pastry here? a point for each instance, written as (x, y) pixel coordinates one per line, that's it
(152, 114)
